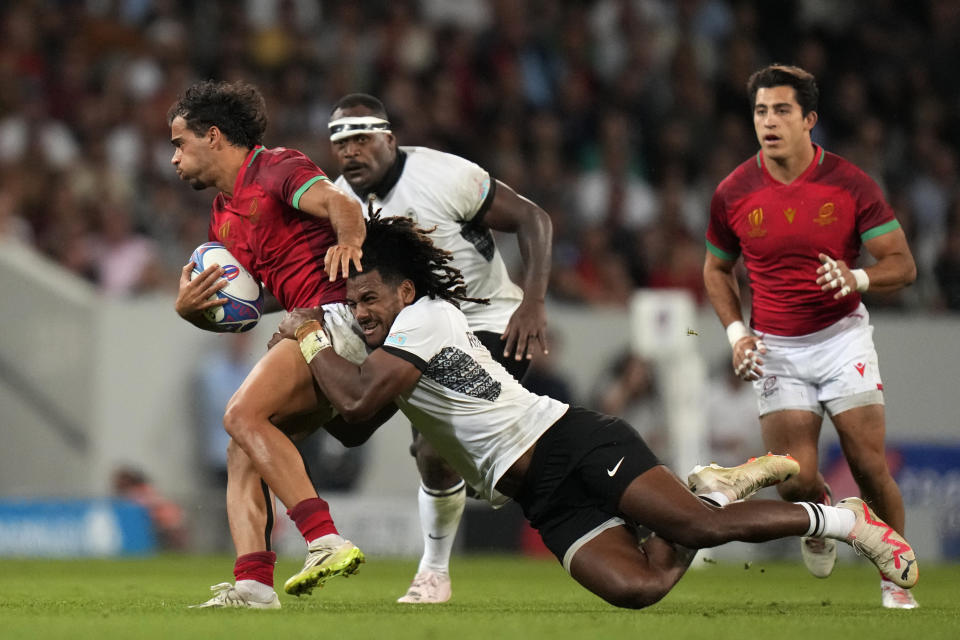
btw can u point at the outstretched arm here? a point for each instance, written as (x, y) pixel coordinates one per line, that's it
(513, 213)
(325, 200)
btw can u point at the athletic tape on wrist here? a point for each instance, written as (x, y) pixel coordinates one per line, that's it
(735, 331)
(863, 280)
(313, 343)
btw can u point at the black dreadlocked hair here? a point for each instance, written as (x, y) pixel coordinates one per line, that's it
(400, 250)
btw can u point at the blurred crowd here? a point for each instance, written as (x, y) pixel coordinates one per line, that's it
(618, 117)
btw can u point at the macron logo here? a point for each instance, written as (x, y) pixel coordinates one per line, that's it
(613, 472)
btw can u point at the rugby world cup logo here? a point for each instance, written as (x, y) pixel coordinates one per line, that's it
(755, 218)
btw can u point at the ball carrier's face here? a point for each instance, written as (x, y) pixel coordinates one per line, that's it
(365, 156)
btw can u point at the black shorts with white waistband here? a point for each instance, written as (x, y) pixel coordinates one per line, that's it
(578, 472)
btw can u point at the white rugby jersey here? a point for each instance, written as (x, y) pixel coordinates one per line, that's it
(443, 190)
(474, 413)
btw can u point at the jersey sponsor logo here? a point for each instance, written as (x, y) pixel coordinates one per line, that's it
(789, 213)
(826, 215)
(755, 218)
(223, 234)
(398, 339)
(458, 371)
(860, 367)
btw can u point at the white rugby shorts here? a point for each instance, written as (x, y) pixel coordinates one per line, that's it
(821, 369)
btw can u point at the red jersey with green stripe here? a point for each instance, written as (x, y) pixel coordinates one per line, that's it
(262, 226)
(780, 229)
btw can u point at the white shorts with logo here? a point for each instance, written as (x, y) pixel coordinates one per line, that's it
(822, 369)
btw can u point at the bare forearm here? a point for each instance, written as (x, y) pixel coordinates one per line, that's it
(891, 273)
(346, 218)
(724, 293)
(534, 237)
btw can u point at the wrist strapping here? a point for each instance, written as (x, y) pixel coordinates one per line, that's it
(313, 343)
(735, 331)
(863, 280)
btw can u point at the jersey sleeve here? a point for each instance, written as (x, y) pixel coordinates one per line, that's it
(722, 241)
(416, 335)
(289, 176)
(875, 216)
(471, 189)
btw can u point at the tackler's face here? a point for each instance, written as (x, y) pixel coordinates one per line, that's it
(363, 157)
(375, 304)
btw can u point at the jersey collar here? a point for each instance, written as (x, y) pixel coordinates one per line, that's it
(818, 155)
(246, 164)
(389, 180)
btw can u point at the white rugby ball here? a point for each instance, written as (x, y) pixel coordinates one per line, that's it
(243, 293)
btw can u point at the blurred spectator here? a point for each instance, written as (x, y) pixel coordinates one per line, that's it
(588, 107)
(544, 377)
(218, 376)
(166, 515)
(628, 390)
(947, 267)
(733, 423)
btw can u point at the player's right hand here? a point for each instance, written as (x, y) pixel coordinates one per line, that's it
(338, 259)
(746, 358)
(199, 294)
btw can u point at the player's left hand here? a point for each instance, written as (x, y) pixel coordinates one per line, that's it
(526, 329)
(338, 259)
(296, 318)
(835, 274)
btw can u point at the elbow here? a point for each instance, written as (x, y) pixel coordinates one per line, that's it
(911, 274)
(356, 412)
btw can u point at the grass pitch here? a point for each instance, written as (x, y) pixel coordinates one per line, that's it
(494, 597)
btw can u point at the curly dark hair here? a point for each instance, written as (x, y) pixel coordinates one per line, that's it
(780, 75)
(236, 108)
(400, 250)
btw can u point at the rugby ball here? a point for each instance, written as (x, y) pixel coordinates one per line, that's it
(243, 292)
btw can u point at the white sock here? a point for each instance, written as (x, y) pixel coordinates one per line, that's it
(715, 497)
(440, 513)
(828, 522)
(257, 590)
(329, 540)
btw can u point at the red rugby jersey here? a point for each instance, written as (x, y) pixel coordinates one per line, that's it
(263, 228)
(780, 229)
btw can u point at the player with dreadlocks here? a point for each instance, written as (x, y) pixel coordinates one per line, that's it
(584, 480)
(401, 250)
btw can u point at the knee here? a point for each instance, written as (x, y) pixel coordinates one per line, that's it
(435, 473)
(636, 593)
(236, 420)
(801, 487)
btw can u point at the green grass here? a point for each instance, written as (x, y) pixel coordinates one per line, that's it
(494, 597)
